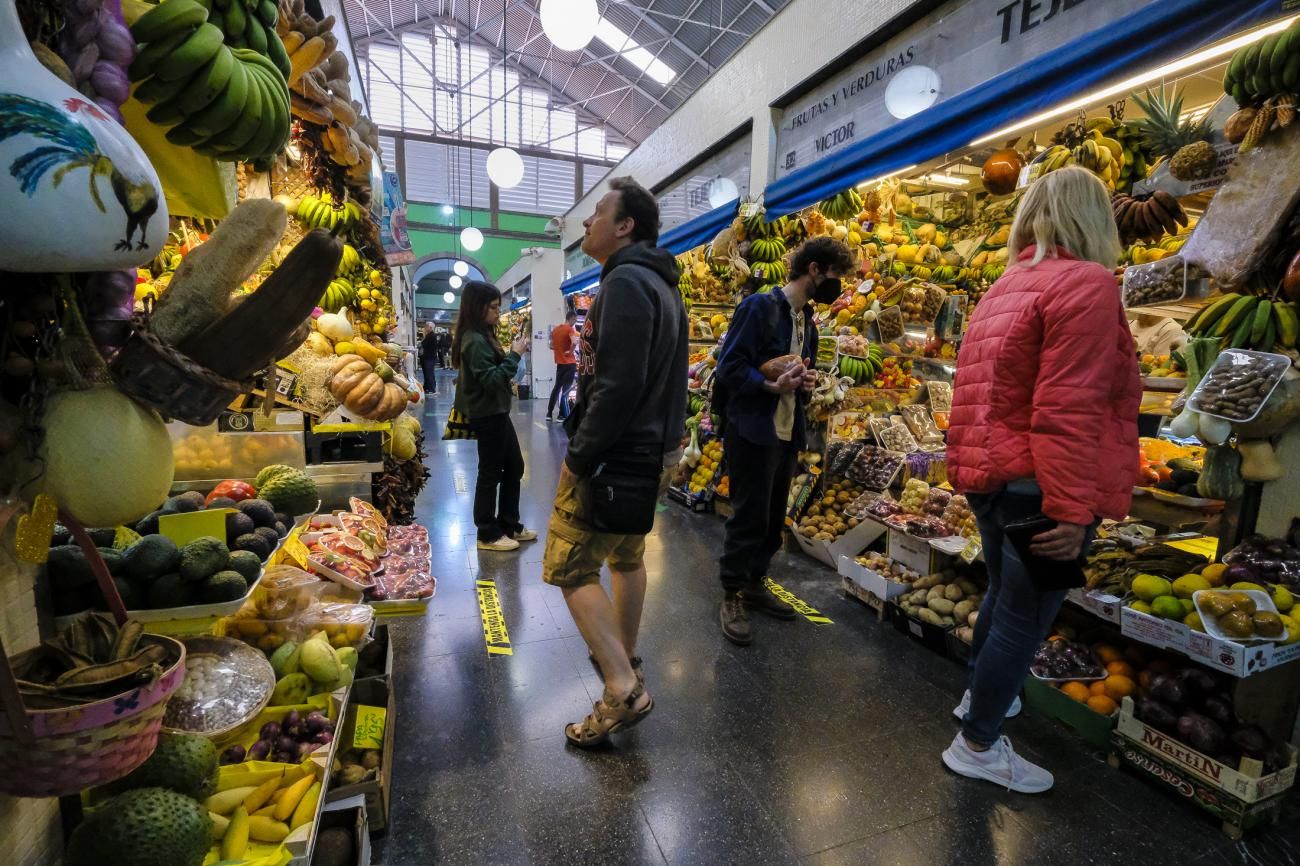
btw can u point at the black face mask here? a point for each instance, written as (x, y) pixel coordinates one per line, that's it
(827, 290)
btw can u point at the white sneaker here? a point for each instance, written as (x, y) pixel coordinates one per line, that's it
(999, 765)
(963, 708)
(524, 535)
(503, 544)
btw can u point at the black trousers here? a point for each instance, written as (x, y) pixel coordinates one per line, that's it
(564, 374)
(500, 469)
(430, 365)
(760, 486)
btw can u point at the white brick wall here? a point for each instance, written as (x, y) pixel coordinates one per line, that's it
(793, 47)
(30, 832)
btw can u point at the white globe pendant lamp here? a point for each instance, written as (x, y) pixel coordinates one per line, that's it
(460, 269)
(505, 167)
(569, 24)
(448, 297)
(455, 282)
(722, 190)
(471, 238)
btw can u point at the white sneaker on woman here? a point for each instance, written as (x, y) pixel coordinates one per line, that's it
(963, 708)
(502, 545)
(999, 764)
(524, 535)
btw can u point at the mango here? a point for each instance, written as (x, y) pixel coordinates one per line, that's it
(1193, 621)
(1149, 587)
(1283, 600)
(291, 690)
(320, 661)
(1188, 584)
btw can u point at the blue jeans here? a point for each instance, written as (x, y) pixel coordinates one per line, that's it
(1014, 618)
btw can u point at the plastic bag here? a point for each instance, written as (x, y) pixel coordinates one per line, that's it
(343, 624)
(285, 591)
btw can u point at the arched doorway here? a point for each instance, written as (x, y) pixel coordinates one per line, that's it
(433, 282)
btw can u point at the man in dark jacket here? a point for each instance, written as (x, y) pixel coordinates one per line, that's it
(430, 350)
(765, 423)
(631, 405)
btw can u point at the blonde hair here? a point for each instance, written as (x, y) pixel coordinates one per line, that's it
(1070, 208)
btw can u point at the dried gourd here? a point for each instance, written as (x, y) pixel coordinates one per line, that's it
(199, 291)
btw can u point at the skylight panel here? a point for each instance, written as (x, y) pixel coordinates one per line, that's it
(633, 53)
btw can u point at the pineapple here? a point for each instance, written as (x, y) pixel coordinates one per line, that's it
(1185, 142)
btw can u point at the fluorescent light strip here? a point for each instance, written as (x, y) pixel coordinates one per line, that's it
(867, 183)
(633, 53)
(941, 179)
(1200, 57)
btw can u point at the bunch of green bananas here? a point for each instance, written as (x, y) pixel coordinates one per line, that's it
(771, 272)
(1057, 156)
(945, 274)
(340, 293)
(1265, 68)
(991, 273)
(766, 249)
(250, 24)
(862, 370)
(756, 227)
(1241, 321)
(843, 206)
(228, 103)
(320, 213)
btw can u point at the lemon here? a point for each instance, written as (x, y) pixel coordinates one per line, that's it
(1282, 599)
(1193, 621)
(363, 293)
(1141, 607)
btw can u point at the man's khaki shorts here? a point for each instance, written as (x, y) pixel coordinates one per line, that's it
(574, 551)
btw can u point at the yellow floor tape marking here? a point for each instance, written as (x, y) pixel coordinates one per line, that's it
(803, 608)
(495, 635)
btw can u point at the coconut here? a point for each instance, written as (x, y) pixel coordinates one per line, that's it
(108, 460)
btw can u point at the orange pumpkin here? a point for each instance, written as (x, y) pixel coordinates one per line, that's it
(356, 385)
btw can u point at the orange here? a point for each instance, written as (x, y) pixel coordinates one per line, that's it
(1102, 704)
(1144, 679)
(1097, 688)
(1119, 687)
(1075, 691)
(1123, 669)
(1108, 653)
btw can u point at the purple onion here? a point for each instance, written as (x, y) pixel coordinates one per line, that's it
(88, 7)
(84, 63)
(110, 82)
(115, 41)
(109, 297)
(284, 757)
(292, 719)
(233, 755)
(270, 731)
(259, 750)
(316, 722)
(286, 744)
(324, 738)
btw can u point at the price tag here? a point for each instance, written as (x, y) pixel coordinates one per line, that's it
(369, 731)
(1023, 180)
(971, 551)
(293, 546)
(1202, 545)
(184, 528)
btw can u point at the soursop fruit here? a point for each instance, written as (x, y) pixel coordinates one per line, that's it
(185, 763)
(142, 827)
(290, 491)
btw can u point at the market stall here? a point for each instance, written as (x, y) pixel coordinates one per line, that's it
(217, 444)
(1189, 586)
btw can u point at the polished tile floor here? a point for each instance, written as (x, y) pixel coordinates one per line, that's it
(818, 744)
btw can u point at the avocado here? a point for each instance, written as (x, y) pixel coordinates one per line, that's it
(247, 563)
(1185, 464)
(169, 591)
(283, 517)
(102, 536)
(1183, 477)
(223, 586)
(254, 543)
(131, 598)
(148, 525)
(269, 535)
(61, 536)
(113, 559)
(203, 557)
(237, 524)
(280, 529)
(1167, 485)
(183, 503)
(68, 568)
(221, 502)
(259, 510)
(150, 557)
(1188, 490)
(69, 601)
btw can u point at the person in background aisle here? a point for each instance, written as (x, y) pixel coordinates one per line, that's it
(444, 348)
(429, 353)
(764, 423)
(483, 395)
(564, 339)
(631, 408)
(1044, 421)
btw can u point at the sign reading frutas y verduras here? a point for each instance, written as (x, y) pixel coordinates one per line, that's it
(965, 43)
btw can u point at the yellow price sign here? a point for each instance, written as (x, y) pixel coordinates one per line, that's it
(369, 730)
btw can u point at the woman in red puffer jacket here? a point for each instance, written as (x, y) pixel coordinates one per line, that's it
(1044, 422)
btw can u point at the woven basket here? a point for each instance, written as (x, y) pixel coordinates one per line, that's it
(79, 747)
(156, 374)
(53, 753)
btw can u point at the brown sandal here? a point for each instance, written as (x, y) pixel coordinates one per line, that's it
(609, 717)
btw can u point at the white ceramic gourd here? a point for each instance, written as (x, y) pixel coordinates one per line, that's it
(76, 191)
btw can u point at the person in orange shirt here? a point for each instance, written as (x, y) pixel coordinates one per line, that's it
(564, 339)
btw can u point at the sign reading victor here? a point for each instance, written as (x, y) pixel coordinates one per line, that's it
(964, 44)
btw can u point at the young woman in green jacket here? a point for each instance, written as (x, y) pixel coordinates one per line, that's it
(483, 395)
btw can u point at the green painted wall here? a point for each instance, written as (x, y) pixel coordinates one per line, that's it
(497, 254)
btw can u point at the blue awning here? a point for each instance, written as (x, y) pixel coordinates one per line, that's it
(581, 281)
(1153, 35)
(699, 230)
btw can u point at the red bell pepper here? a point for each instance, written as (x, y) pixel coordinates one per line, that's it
(236, 490)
